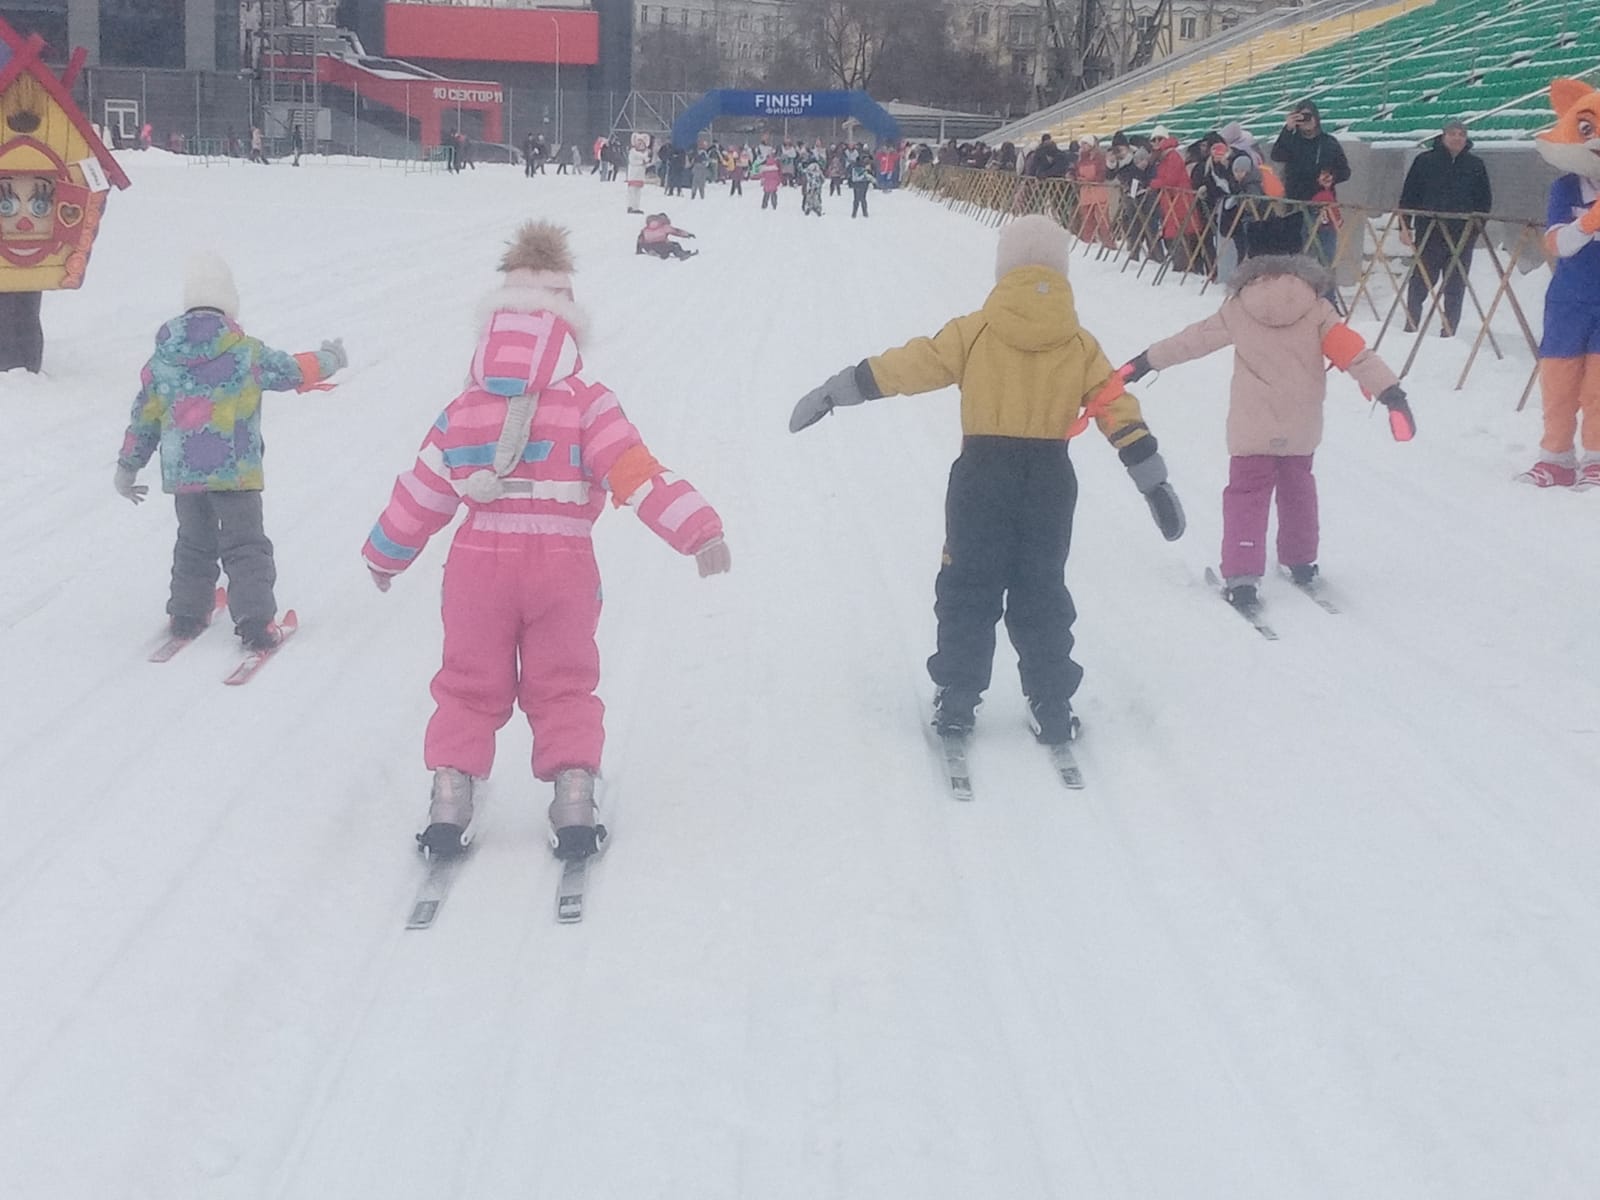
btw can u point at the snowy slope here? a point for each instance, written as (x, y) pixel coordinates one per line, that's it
(1324, 923)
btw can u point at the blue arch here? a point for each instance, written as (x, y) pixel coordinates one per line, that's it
(729, 102)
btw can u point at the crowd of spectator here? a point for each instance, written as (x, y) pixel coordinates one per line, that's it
(1208, 204)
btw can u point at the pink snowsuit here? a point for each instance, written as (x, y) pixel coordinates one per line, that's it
(521, 587)
(657, 232)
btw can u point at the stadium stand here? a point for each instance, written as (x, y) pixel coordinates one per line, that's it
(1488, 64)
(1228, 59)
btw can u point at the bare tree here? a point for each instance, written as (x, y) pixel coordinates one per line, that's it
(851, 36)
(670, 59)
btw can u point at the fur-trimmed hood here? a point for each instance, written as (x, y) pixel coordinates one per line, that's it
(532, 298)
(1279, 289)
(1263, 265)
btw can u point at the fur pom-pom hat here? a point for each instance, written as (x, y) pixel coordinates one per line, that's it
(1032, 241)
(208, 283)
(538, 268)
(539, 256)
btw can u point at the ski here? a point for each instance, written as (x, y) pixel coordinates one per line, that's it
(168, 649)
(433, 890)
(1066, 765)
(1251, 613)
(575, 880)
(953, 753)
(1313, 589)
(254, 660)
(569, 896)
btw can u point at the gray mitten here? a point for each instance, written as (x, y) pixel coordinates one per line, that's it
(127, 488)
(842, 390)
(1149, 475)
(332, 357)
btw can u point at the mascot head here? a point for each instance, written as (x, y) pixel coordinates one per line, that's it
(1573, 143)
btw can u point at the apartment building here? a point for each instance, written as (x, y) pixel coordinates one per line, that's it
(747, 32)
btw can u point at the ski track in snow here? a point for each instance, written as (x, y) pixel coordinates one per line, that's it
(1321, 925)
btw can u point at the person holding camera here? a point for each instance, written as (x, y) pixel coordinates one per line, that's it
(1306, 152)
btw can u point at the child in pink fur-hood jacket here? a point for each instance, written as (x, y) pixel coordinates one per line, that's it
(531, 447)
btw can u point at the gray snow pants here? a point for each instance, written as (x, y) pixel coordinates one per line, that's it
(222, 527)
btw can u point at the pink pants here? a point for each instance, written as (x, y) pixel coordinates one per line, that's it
(519, 629)
(1245, 504)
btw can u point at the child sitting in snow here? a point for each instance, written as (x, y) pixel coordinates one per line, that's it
(532, 448)
(656, 238)
(1283, 333)
(200, 402)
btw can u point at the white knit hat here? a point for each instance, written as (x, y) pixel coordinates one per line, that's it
(1034, 240)
(208, 283)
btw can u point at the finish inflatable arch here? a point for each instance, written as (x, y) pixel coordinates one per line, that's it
(726, 102)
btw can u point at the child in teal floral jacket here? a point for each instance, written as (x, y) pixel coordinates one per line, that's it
(200, 404)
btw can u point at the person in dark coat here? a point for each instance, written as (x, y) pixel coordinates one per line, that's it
(1306, 152)
(1445, 178)
(1048, 160)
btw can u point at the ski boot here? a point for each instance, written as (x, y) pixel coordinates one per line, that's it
(1053, 721)
(574, 832)
(1241, 593)
(449, 815)
(1303, 574)
(1561, 471)
(955, 711)
(259, 633)
(185, 627)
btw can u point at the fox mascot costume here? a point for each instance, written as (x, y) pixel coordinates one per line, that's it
(1569, 355)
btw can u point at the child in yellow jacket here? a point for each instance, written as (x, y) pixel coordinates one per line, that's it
(1031, 379)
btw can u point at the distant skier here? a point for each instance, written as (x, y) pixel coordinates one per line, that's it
(1031, 378)
(656, 238)
(860, 183)
(532, 448)
(199, 402)
(811, 179)
(771, 176)
(1284, 334)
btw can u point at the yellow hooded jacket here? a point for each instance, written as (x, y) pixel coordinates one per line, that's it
(1026, 368)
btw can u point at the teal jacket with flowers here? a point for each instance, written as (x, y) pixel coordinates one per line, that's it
(200, 403)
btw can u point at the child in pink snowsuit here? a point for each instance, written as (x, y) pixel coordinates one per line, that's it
(532, 448)
(656, 238)
(1283, 333)
(771, 175)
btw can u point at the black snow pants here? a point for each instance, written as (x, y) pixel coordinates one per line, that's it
(1008, 528)
(225, 528)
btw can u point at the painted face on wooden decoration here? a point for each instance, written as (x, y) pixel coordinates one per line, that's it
(27, 218)
(42, 216)
(54, 172)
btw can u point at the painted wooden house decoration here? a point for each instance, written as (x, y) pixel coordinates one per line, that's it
(55, 173)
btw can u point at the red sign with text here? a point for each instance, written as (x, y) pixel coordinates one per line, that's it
(530, 35)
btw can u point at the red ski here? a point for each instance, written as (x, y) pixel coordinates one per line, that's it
(165, 651)
(254, 660)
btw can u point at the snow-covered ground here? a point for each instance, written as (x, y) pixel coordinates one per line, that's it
(1324, 923)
